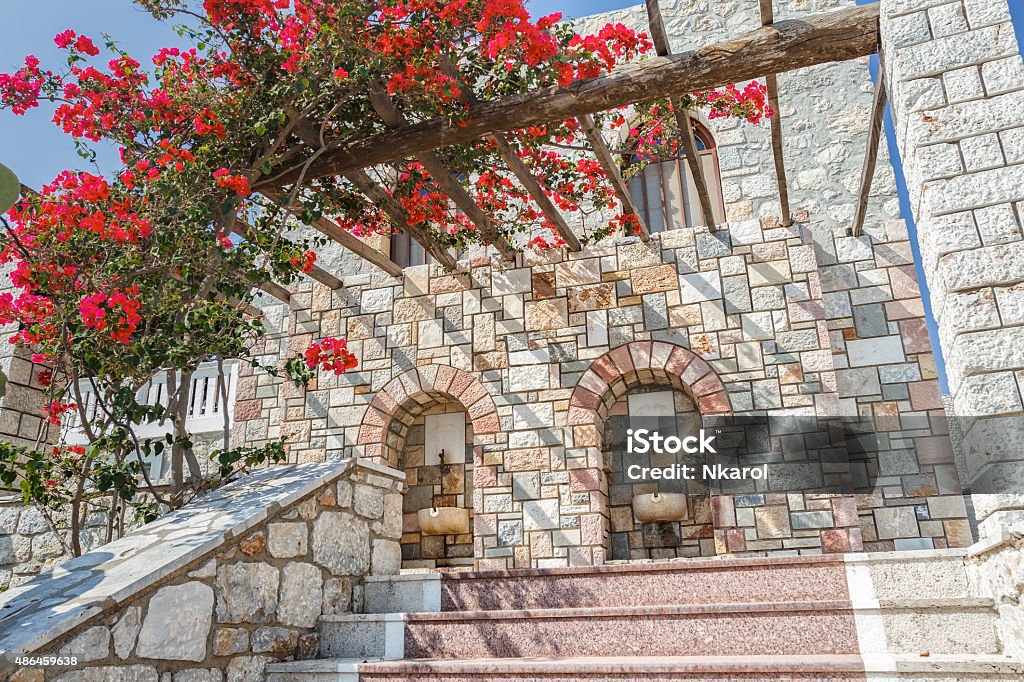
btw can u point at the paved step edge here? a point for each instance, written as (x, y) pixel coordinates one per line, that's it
(584, 665)
(889, 605)
(710, 664)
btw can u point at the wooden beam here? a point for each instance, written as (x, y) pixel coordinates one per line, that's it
(400, 218)
(515, 164)
(786, 45)
(343, 237)
(276, 290)
(772, 85)
(307, 132)
(443, 178)
(536, 192)
(661, 45)
(611, 169)
(318, 273)
(867, 174)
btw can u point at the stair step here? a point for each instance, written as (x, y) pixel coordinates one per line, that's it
(747, 668)
(689, 581)
(806, 627)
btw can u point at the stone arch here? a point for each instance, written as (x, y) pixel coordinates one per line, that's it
(403, 398)
(615, 374)
(644, 363)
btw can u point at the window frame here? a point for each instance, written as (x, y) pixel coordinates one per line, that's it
(646, 205)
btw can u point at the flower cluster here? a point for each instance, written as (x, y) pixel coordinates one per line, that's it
(331, 355)
(55, 411)
(751, 103)
(117, 312)
(237, 183)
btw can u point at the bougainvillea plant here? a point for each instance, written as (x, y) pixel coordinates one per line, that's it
(122, 278)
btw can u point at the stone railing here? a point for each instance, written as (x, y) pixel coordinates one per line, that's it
(233, 582)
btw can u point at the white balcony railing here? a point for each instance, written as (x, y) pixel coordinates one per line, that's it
(206, 408)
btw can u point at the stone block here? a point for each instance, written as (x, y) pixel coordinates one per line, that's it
(228, 641)
(577, 272)
(286, 540)
(546, 314)
(772, 272)
(533, 415)
(92, 644)
(528, 378)
(505, 282)
(540, 514)
(274, 640)
(341, 543)
(878, 351)
(652, 279)
(851, 249)
(590, 297)
(702, 286)
(126, 630)
(772, 522)
(178, 621)
(301, 595)
(896, 522)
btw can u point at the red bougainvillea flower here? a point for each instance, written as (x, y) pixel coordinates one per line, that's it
(331, 355)
(55, 411)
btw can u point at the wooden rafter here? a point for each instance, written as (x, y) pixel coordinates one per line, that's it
(611, 169)
(508, 154)
(785, 46)
(444, 179)
(308, 133)
(536, 192)
(316, 272)
(661, 45)
(400, 218)
(871, 155)
(772, 84)
(331, 229)
(276, 290)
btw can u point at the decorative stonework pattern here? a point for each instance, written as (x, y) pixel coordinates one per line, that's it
(201, 588)
(751, 321)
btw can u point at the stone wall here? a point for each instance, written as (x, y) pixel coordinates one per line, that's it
(757, 325)
(32, 541)
(21, 407)
(956, 79)
(954, 70)
(228, 584)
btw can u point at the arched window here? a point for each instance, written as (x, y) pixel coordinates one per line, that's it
(664, 192)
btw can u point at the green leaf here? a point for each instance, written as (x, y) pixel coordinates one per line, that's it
(10, 189)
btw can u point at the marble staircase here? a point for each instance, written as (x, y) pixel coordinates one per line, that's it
(894, 616)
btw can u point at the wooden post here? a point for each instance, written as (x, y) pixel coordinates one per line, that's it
(307, 132)
(350, 242)
(661, 45)
(867, 173)
(772, 85)
(515, 164)
(400, 218)
(318, 273)
(443, 178)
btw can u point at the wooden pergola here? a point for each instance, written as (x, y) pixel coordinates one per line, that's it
(774, 48)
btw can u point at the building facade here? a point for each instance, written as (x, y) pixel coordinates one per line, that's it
(752, 319)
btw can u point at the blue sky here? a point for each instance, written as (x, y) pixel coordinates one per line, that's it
(37, 150)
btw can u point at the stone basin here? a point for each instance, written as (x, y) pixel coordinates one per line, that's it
(443, 521)
(655, 507)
